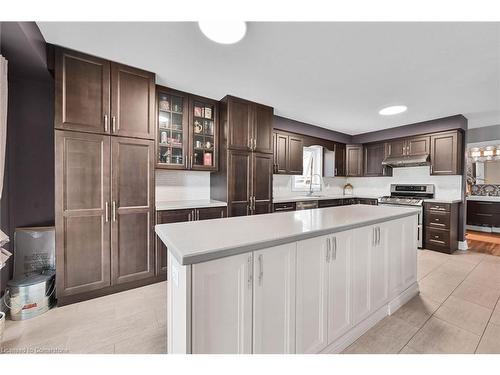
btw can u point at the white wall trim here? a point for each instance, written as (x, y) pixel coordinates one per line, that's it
(463, 246)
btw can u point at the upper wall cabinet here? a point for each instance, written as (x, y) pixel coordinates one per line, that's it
(98, 96)
(288, 151)
(414, 146)
(445, 156)
(187, 131)
(340, 169)
(250, 126)
(374, 155)
(354, 160)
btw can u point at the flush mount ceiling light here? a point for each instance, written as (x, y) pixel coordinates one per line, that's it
(224, 32)
(393, 110)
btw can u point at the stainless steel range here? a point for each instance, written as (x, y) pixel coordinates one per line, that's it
(410, 195)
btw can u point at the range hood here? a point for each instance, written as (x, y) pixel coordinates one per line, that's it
(407, 161)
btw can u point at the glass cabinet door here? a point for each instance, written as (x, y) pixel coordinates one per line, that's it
(204, 134)
(171, 130)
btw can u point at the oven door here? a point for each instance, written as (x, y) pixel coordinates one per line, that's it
(420, 220)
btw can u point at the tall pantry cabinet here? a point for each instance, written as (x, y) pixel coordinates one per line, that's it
(245, 176)
(104, 176)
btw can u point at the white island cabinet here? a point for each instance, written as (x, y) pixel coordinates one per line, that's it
(313, 285)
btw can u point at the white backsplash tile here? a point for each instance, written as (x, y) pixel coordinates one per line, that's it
(182, 185)
(446, 187)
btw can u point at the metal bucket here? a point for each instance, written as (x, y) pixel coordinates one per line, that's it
(30, 296)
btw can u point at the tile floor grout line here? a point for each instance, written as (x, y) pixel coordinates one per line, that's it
(486, 326)
(441, 304)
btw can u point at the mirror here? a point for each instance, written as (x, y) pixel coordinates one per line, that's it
(486, 172)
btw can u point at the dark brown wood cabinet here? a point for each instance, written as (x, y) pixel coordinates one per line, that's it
(178, 216)
(132, 209)
(98, 96)
(104, 213)
(263, 128)
(413, 146)
(441, 226)
(295, 155)
(483, 213)
(285, 206)
(262, 183)
(446, 159)
(82, 214)
(288, 151)
(340, 156)
(374, 154)
(354, 160)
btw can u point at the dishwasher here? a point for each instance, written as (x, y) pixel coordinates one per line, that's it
(306, 205)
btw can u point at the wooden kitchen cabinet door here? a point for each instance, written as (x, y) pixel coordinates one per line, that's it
(132, 199)
(240, 124)
(374, 155)
(445, 158)
(82, 193)
(281, 151)
(222, 306)
(262, 182)
(132, 102)
(417, 146)
(295, 155)
(354, 160)
(360, 272)
(396, 148)
(263, 128)
(311, 296)
(82, 92)
(239, 183)
(379, 266)
(274, 300)
(211, 213)
(339, 285)
(340, 167)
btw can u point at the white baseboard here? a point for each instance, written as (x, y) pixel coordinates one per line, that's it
(495, 229)
(357, 331)
(404, 297)
(463, 246)
(479, 228)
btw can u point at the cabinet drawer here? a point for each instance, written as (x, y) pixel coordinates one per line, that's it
(437, 237)
(437, 206)
(483, 207)
(437, 219)
(480, 218)
(286, 206)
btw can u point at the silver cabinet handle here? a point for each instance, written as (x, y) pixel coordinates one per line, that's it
(335, 172)
(113, 209)
(106, 212)
(191, 161)
(328, 247)
(250, 271)
(261, 268)
(113, 123)
(221, 213)
(431, 168)
(189, 216)
(334, 248)
(254, 203)
(197, 214)
(105, 123)
(254, 144)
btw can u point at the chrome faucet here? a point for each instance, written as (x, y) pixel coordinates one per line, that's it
(310, 192)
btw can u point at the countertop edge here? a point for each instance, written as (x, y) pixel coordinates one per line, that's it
(188, 205)
(225, 252)
(323, 198)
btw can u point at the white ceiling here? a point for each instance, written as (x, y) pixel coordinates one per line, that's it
(334, 75)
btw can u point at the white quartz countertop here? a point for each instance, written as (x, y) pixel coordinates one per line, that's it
(484, 198)
(180, 205)
(437, 200)
(300, 198)
(201, 241)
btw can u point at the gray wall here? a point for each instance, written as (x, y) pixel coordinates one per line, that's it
(298, 127)
(487, 133)
(28, 195)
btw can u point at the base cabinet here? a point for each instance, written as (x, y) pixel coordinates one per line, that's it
(309, 296)
(274, 300)
(222, 305)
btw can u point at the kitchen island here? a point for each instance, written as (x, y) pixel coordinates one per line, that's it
(309, 281)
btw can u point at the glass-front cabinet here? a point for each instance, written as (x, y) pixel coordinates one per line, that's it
(172, 132)
(187, 131)
(203, 133)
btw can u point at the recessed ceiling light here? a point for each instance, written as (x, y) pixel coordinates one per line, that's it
(224, 32)
(393, 110)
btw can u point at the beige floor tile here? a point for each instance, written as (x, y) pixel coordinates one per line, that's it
(487, 274)
(456, 268)
(150, 341)
(464, 314)
(388, 336)
(435, 290)
(479, 294)
(491, 258)
(490, 342)
(468, 256)
(408, 350)
(495, 317)
(440, 337)
(417, 310)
